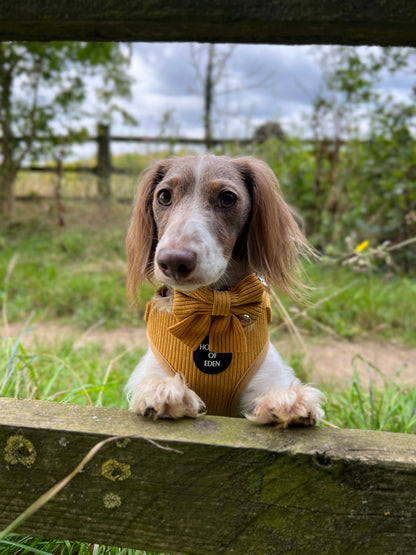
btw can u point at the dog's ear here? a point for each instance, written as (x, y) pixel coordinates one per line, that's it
(142, 234)
(273, 239)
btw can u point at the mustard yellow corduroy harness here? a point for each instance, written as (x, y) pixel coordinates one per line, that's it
(216, 339)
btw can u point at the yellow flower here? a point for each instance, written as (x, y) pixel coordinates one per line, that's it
(362, 246)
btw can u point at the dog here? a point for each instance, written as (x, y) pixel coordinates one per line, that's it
(213, 229)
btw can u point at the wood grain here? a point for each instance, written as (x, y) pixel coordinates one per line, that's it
(226, 487)
(264, 21)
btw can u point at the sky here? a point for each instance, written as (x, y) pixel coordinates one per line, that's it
(264, 82)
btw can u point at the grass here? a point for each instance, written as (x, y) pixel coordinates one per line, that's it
(382, 306)
(390, 408)
(22, 545)
(76, 274)
(66, 373)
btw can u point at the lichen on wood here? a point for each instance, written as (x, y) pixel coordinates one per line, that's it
(111, 500)
(19, 450)
(223, 486)
(114, 470)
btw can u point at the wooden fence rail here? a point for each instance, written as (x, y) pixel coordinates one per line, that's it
(207, 486)
(263, 21)
(104, 167)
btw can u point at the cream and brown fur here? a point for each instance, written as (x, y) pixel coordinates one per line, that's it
(207, 220)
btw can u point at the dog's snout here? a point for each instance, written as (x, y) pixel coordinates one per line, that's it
(176, 263)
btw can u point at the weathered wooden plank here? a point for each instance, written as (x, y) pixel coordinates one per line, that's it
(245, 21)
(230, 487)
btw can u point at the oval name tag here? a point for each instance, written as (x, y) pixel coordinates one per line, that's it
(208, 362)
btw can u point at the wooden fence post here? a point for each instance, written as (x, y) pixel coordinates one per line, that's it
(104, 166)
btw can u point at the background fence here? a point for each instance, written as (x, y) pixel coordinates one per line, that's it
(103, 168)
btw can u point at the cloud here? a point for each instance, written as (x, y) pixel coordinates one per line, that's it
(267, 82)
(288, 78)
(264, 82)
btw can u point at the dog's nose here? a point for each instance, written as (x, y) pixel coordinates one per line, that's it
(176, 263)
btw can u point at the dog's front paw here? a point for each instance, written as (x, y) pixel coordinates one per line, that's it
(299, 405)
(167, 397)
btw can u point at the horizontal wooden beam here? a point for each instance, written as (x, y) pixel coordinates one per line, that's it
(224, 485)
(65, 139)
(264, 21)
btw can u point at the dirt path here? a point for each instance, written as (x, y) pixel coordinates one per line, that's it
(327, 360)
(335, 361)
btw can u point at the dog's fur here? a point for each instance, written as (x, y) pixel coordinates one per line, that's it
(207, 220)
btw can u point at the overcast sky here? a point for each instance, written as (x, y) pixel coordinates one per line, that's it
(270, 82)
(264, 82)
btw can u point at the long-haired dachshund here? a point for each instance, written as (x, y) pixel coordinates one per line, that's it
(216, 233)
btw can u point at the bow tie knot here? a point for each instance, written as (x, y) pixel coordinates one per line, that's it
(221, 305)
(207, 312)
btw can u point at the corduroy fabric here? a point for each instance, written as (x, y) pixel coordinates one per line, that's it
(208, 311)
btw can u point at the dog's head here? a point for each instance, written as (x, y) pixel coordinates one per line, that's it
(202, 220)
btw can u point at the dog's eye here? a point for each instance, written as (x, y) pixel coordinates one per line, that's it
(164, 197)
(227, 199)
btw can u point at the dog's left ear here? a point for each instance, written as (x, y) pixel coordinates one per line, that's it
(273, 239)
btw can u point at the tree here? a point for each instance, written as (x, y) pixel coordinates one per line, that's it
(169, 127)
(363, 146)
(43, 87)
(267, 130)
(209, 63)
(214, 79)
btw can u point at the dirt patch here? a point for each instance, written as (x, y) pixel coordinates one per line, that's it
(332, 361)
(42, 333)
(335, 361)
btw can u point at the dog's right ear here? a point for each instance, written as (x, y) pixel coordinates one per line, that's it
(142, 234)
(273, 240)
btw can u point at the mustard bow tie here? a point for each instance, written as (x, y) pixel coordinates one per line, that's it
(217, 313)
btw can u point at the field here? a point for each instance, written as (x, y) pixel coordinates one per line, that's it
(68, 333)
